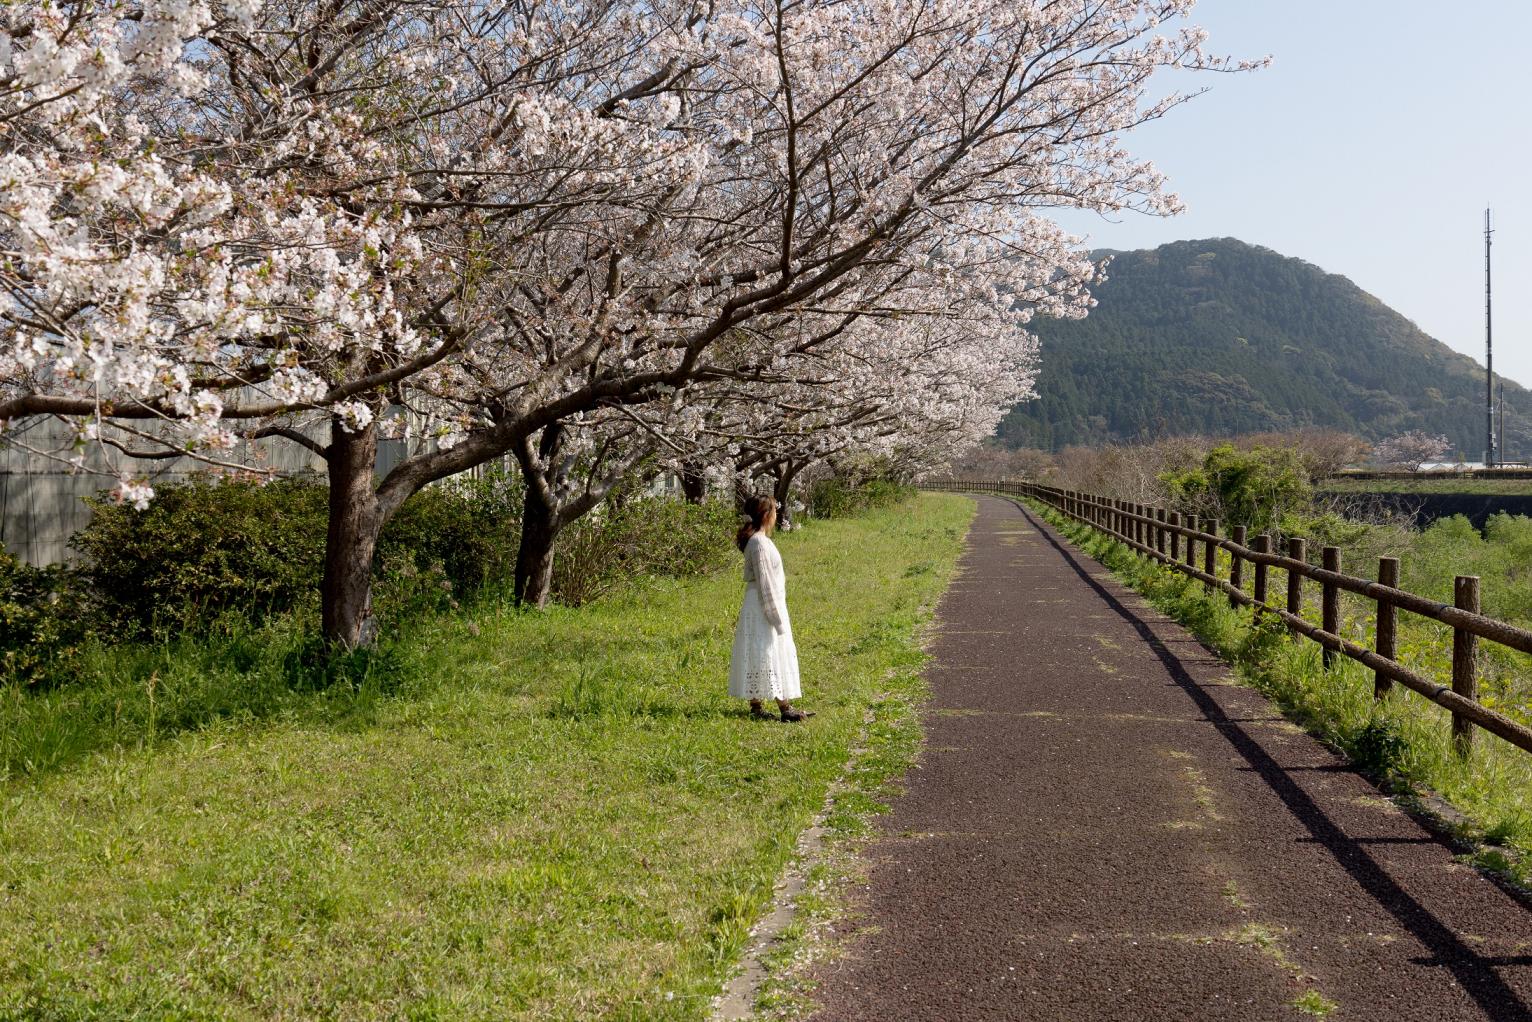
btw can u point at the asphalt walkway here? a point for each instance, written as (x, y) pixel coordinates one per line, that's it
(1103, 826)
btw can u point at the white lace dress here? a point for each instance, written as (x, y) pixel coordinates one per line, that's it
(764, 664)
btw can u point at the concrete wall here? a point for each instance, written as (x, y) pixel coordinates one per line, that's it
(1426, 508)
(42, 500)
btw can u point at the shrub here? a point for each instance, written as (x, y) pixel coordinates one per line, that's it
(46, 618)
(204, 548)
(649, 536)
(1323, 528)
(837, 497)
(464, 530)
(1254, 487)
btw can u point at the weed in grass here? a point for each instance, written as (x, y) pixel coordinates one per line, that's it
(1312, 1002)
(1379, 747)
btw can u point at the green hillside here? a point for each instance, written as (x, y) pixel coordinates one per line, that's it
(1220, 337)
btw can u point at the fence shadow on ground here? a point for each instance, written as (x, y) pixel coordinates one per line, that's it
(1475, 973)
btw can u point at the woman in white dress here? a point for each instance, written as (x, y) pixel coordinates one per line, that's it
(764, 664)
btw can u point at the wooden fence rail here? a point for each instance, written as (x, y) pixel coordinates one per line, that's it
(1158, 534)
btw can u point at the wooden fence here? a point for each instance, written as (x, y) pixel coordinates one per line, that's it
(1159, 534)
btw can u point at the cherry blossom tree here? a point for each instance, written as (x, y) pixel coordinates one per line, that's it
(231, 223)
(1410, 450)
(934, 388)
(227, 221)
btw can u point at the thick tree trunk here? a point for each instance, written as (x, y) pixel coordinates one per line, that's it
(540, 528)
(346, 591)
(693, 483)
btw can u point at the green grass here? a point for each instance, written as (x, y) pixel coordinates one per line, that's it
(1404, 739)
(135, 694)
(551, 816)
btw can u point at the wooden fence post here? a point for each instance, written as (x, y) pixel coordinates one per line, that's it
(1262, 546)
(1236, 564)
(1159, 531)
(1138, 526)
(1175, 537)
(1388, 624)
(1465, 656)
(1330, 607)
(1210, 552)
(1297, 549)
(1191, 544)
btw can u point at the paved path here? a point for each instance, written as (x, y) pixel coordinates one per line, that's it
(1102, 826)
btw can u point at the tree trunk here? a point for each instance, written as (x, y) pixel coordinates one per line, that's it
(534, 558)
(783, 488)
(693, 483)
(346, 591)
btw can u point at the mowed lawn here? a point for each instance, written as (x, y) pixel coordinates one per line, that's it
(563, 817)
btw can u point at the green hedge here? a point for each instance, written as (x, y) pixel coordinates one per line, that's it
(650, 536)
(204, 549)
(47, 616)
(836, 497)
(209, 557)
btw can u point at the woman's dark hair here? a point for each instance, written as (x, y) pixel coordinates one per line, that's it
(756, 510)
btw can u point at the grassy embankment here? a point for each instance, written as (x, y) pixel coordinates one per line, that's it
(1486, 487)
(550, 816)
(1404, 739)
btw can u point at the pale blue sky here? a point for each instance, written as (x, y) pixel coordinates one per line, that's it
(1369, 148)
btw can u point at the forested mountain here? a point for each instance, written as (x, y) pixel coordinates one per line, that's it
(1220, 337)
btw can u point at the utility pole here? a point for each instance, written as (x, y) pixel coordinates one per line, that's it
(1489, 356)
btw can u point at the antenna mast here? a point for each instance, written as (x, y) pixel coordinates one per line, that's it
(1489, 356)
